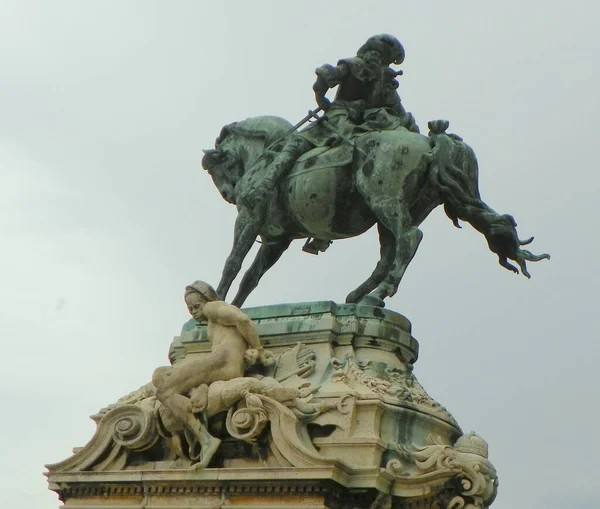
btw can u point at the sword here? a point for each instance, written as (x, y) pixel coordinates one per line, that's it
(324, 122)
(311, 114)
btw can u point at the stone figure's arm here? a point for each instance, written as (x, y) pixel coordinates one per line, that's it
(328, 77)
(231, 316)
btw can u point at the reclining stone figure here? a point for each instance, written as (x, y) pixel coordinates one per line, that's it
(235, 344)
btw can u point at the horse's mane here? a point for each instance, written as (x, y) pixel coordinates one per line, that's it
(267, 128)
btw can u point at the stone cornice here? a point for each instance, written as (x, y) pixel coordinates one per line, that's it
(246, 480)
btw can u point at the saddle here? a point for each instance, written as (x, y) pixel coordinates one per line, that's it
(323, 157)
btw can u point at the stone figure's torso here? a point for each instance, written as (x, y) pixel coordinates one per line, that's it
(228, 349)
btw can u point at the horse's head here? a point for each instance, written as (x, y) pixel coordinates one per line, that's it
(241, 145)
(225, 170)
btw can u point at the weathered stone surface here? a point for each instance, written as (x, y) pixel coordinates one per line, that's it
(359, 431)
(340, 325)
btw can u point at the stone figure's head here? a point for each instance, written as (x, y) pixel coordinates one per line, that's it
(387, 46)
(196, 296)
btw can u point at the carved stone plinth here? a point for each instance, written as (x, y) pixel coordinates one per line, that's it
(359, 431)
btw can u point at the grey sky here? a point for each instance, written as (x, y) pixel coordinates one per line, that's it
(106, 214)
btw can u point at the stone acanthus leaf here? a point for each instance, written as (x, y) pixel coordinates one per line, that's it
(467, 462)
(386, 380)
(290, 439)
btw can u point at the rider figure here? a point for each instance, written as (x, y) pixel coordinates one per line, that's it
(366, 100)
(365, 82)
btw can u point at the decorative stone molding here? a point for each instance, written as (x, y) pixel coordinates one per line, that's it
(125, 429)
(338, 420)
(288, 438)
(397, 382)
(474, 477)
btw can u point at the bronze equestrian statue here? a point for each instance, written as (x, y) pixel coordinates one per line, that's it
(363, 162)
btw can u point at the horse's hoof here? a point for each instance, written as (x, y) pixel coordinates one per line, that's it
(371, 300)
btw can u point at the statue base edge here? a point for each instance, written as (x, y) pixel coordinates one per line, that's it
(334, 487)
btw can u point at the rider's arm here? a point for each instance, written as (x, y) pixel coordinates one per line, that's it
(328, 77)
(231, 316)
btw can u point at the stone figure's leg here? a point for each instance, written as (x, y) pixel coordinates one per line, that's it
(199, 398)
(185, 377)
(170, 383)
(209, 446)
(181, 407)
(247, 226)
(268, 254)
(387, 247)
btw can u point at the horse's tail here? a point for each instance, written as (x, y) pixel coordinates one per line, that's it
(454, 172)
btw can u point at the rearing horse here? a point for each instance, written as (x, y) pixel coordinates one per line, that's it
(390, 178)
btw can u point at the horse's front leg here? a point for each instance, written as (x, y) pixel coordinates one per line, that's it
(267, 256)
(247, 226)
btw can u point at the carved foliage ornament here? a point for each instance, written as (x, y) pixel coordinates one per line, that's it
(386, 380)
(475, 476)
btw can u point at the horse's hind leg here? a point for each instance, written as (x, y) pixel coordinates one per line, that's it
(267, 256)
(386, 257)
(396, 217)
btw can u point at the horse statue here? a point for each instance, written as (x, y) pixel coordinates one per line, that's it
(392, 178)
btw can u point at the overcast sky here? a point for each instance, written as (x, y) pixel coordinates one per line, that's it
(106, 213)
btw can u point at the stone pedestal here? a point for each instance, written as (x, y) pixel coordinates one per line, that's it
(364, 434)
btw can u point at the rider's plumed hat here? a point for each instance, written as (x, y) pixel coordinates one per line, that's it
(386, 45)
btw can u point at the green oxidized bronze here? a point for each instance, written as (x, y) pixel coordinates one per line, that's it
(362, 162)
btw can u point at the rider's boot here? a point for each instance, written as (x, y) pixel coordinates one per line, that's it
(281, 166)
